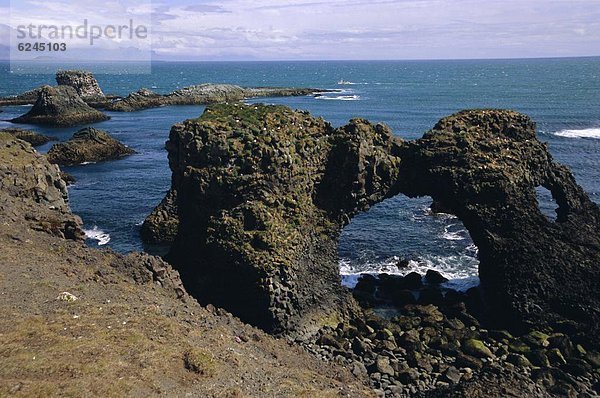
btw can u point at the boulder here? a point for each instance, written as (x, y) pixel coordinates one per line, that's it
(60, 107)
(88, 145)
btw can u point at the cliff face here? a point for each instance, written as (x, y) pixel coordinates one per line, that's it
(484, 166)
(26, 178)
(263, 192)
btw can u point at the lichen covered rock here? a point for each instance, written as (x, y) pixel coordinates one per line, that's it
(88, 145)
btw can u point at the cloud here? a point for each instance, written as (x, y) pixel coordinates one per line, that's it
(346, 29)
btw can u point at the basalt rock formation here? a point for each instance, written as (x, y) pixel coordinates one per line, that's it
(263, 192)
(35, 139)
(60, 106)
(485, 166)
(160, 227)
(88, 145)
(83, 82)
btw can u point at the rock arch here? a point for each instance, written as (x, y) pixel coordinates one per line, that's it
(263, 193)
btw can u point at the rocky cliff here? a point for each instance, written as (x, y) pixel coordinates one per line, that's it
(60, 106)
(263, 193)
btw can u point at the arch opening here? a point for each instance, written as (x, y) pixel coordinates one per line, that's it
(402, 235)
(546, 203)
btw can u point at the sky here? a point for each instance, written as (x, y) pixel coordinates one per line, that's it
(217, 30)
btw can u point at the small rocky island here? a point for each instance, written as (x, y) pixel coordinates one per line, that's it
(88, 145)
(60, 106)
(35, 139)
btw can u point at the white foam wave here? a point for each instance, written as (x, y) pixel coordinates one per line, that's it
(584, 133)
(98, 235)
(339, 98)
(461, 270)
(453, 235)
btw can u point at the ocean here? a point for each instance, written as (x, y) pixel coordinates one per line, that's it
(561, 95)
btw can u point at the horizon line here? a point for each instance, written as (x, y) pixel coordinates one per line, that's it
(307, 60)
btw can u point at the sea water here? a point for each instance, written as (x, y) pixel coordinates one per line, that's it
(561, 95)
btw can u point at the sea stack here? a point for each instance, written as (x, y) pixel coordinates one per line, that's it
(88, 145)
(60, 107)
(83, 82)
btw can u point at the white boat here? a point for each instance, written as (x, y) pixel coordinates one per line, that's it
(344, 82)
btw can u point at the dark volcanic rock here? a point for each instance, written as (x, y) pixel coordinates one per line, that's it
(263, 193)
(87, 145)
(27, 98)
(261, 203)
(62, 107)
(35, 139)
(484, 166)
(83, 82)
(141, 99)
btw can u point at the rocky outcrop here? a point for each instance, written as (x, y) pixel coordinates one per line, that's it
(83, 82)
(61, 107)
(263, 193)
(484, 166)
(88, 145)
(26, 177)
(35, 139)
(27, 98)
(141, 99)
(200, 95)
(256, 216)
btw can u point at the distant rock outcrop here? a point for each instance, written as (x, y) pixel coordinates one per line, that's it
(87, 145)
(83, 82)
(61, 107)
(35, 139)
(263, 192)
(199, 95)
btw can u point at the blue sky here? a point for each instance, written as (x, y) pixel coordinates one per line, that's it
(342, 29)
